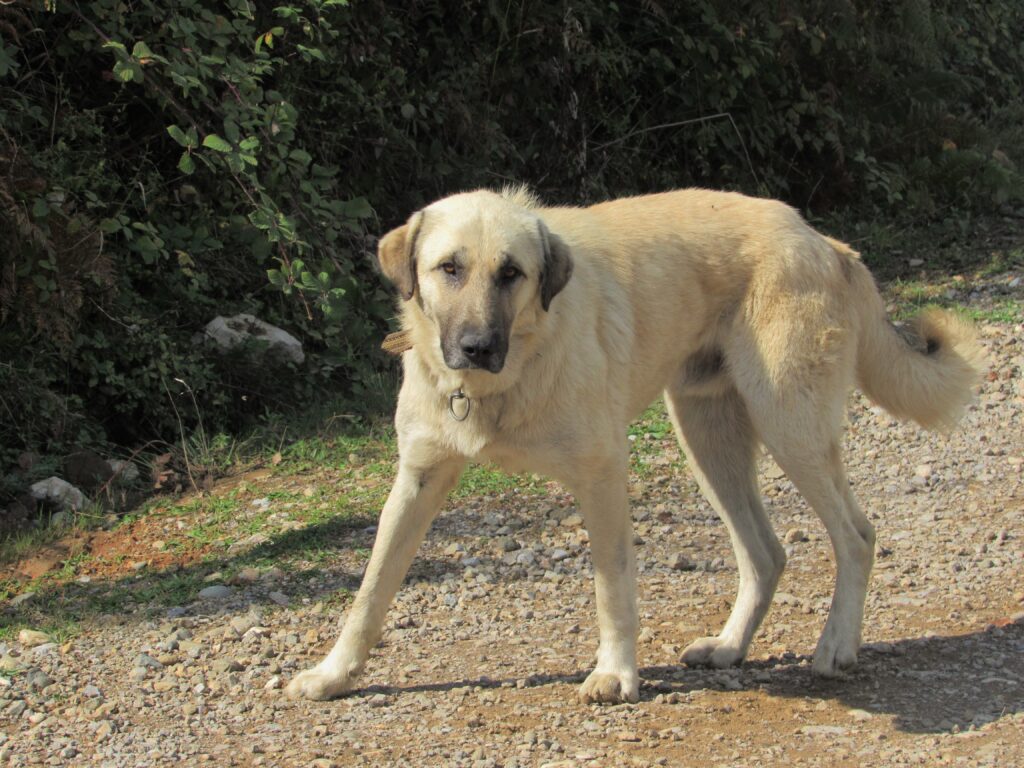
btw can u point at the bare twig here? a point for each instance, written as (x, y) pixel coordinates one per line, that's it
(691, 121)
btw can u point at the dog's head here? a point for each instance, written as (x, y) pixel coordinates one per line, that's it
(481, 266)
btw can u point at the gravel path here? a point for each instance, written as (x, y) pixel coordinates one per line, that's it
(495, 629)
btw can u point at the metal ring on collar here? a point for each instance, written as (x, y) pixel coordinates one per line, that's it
(459, 395)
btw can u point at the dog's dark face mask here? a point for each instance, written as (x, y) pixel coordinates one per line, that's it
(475, 268)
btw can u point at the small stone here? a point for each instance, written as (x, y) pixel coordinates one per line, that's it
(222, 666)
(507, 544)
(680, 562)
(559, 554)
(216, 592)
(279, 597)
(795, 535)
(39, 680)
(273, 573)
(124, 471)
(31, 638)
(823, 730)
(628, 736)
(92, 692)
(242, 624)
(246, 576)
(572, 521)
(250, 542)
(860, 715)
(924, 471)
(273, 683)
(147, 662)
(104, 730)
(526, 557)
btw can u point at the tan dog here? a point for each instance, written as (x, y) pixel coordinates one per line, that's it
(539, 334)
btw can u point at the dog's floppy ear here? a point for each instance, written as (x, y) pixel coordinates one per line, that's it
(557, 267)
(396, 254)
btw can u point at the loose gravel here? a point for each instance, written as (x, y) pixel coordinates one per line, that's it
(495, 629)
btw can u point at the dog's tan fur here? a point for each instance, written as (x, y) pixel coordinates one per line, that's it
(752, 325)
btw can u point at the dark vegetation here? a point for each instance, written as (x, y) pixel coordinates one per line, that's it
(163, 163)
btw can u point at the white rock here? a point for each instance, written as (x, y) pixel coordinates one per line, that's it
(230, 332)
(795, 535)
(125, 471)
(216, 592)
(30, 638)
(59, 492)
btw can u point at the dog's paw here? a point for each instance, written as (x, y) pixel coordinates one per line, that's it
(609, 688)
(318, 685)
(712, 652)
(834, 657)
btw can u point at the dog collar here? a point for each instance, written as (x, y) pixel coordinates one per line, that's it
(396, 343)
(459, 403)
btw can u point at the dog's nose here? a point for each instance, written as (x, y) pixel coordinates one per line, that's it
(479, 347)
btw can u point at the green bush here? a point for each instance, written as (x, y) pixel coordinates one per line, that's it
(164, 163)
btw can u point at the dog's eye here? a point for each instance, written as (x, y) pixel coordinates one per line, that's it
(508, 274)
(449, 268)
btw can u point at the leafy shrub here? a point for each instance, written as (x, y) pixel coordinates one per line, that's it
(163, 163)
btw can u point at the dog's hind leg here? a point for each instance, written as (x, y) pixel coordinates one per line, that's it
(798, 414)
(815, 467)
(720, 444)
(414, 502)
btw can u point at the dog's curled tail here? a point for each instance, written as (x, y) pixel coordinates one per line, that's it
(924, 370)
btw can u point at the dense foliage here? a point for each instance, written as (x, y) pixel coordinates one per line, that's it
(161, 163)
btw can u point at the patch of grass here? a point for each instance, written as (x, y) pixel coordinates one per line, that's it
(162, 589)
(1002, 261)
(653, 423)
(649, 437)
(1006, 311)
(351, 449)
(913, 296)
(25, 542)
(60, 627)
(489, 480)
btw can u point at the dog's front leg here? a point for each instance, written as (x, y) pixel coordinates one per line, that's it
(415, 500)
(605, 507)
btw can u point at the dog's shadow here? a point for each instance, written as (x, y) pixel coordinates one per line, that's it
(928, 685)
